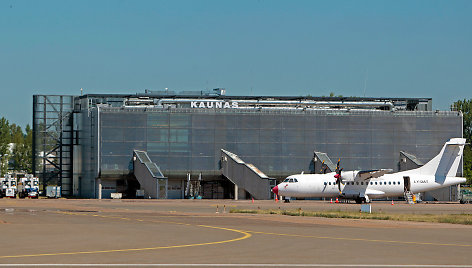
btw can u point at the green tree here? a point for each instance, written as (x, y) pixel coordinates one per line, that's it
(468, 163)
(21, 153)
(4, 145)
(465, 106)
(29, 149)
(22, 150)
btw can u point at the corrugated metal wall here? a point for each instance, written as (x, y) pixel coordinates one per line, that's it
(278, 142)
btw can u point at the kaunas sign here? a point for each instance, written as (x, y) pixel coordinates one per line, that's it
(214, 104)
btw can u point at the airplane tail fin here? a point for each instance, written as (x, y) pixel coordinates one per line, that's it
(447, 161)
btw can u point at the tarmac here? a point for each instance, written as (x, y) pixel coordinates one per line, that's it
(182, 233)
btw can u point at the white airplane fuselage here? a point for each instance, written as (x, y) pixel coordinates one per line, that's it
(364, 185)
(388, 185)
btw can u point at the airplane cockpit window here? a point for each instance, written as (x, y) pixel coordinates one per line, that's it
(295, 180)
(286, 180)
(291, 180)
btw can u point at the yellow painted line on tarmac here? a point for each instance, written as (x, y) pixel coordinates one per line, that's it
(362, 239)
(340, 238)
(245, 236)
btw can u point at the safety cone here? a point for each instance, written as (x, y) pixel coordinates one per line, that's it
(392, 202)
(331, 201)
(253, 200)
(217, 209)
(337, 201)
(276, 199)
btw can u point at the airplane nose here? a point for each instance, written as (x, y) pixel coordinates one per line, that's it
(275, 190)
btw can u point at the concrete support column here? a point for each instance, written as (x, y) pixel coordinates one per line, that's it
(236, 190)
(99, 181)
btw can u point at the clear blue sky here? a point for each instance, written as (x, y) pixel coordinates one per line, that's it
(397, 48)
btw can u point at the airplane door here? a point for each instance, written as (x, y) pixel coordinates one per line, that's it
(406, 184)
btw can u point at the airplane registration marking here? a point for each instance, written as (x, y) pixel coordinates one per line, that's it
(420, 181)
(361, 239)
(245, 236)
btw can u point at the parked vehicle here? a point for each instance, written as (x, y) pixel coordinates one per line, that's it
(465, 196)
(3, 186)
(11, 187)
(28, 187)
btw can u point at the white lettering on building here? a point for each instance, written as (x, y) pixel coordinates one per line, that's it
(214, 104)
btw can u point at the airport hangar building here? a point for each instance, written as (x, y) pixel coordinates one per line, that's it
(97, 144)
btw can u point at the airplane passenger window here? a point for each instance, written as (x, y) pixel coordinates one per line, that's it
(357, 182)
(329, 183)
(325, 183)
(362, 183)
(389, 183)
(371, 183)
(375, 183)
(398, 183)
(393, 183)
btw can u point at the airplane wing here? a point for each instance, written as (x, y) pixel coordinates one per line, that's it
(373, 173)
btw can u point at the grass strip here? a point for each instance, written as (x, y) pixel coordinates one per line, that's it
(439, 218)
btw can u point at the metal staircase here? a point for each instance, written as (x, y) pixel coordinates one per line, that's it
(322, 163)
(149, 176)
(246, 176)
(408, 197)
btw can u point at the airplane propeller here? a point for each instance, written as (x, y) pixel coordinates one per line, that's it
(338, 175)
(324, 167)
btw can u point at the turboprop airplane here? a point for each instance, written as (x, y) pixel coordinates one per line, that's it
(363, 186)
